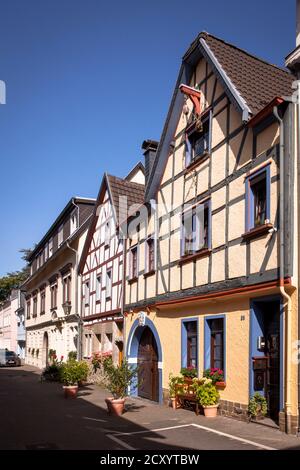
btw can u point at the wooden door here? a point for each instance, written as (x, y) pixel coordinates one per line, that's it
(148, 366)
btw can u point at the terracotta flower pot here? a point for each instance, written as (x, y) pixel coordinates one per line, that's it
(173, 403)
(211, 411)
(115, 406)
(70, 391)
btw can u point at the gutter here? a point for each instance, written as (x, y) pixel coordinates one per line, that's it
(287, 299)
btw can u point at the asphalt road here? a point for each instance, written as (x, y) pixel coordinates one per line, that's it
(35, 415)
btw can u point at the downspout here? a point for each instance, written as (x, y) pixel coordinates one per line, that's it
(78, 314)
(298, 211)
(287, 299)
(124, 294)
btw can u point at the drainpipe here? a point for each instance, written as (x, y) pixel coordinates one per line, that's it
(285, 295)
(298, 211)
(124, 295)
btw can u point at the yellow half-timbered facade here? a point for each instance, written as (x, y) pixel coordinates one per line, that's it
(211, 278)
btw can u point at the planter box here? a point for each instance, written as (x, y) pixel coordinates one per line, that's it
(221, 385)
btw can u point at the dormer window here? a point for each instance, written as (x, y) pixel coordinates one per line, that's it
(198, 141)
(73, 222)
(60, 234)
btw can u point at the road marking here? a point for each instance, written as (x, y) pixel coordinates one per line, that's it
(198, 426)
(121, 443)
(95, 419)
(234, 438)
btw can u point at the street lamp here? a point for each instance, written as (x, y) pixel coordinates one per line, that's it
(67, 308)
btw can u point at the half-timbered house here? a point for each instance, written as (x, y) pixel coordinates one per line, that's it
(102, 268)
(211, 276)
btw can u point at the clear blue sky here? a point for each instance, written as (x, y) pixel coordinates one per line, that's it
(88, 81)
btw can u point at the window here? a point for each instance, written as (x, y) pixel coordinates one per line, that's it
(46, 252)
(60, 234)
(215, 343)
(198, 141)
(50, 247)
(133, 263)
(43, 302)
(34, 310)
(108, 284)
(98, 288)
(196, 230)
(109, 338)
(150, 255)
(190, 344)
(73, 221)
(86, 293)
(53, 290)
(107, 233)
(28, 305)
(258, 199)
(67, 288)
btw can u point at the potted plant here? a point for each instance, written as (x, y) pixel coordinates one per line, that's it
(208, 397)
(257, 407)
(217, 377)
(71, 373)
(118, 379)
(189, 373)
(174, 381)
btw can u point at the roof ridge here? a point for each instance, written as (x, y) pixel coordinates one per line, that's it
(205, 34)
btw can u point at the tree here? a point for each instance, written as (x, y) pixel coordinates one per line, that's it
(14, 279)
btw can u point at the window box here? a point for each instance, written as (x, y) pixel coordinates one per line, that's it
(149, 273)
(221, 385)
(200, 254)
(197, 162)
(257, 231)
(132, 280)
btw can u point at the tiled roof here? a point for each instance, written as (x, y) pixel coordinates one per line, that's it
(257, 81)
(121, 189)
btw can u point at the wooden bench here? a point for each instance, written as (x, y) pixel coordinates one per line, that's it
(185, 397)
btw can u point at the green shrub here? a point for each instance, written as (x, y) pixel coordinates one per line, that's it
(257, 405)
(173, 381)
(72, 372)
(51, 373)
(207, 395)
(118, 378)
(72, 356)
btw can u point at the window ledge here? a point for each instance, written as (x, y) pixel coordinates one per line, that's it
(98, 302)
(195, 256)
(149, 273)
(197, 162)
(257, 232)
(132, 280)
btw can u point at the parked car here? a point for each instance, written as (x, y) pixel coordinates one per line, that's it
(9, 358)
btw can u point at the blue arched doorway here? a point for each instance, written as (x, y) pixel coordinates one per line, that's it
(144, 350)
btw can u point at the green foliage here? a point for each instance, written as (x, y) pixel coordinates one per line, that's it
(51, 373)
(216, 375)
(189, 372)
(173, 381)
(72, 356)
(13, 280)
(72, 372)
(257, 405)
(118, 378)
(207, 395)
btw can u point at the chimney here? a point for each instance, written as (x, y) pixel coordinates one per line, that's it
(150, 148)
(292, 61)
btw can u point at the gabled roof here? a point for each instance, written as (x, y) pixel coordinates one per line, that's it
(117, 188)
(138, 167)
(250, 83)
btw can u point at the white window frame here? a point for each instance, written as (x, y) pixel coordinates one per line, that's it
(73, 221)
(60, 236)
(98, 287)
(86, 292)
(108, 285)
